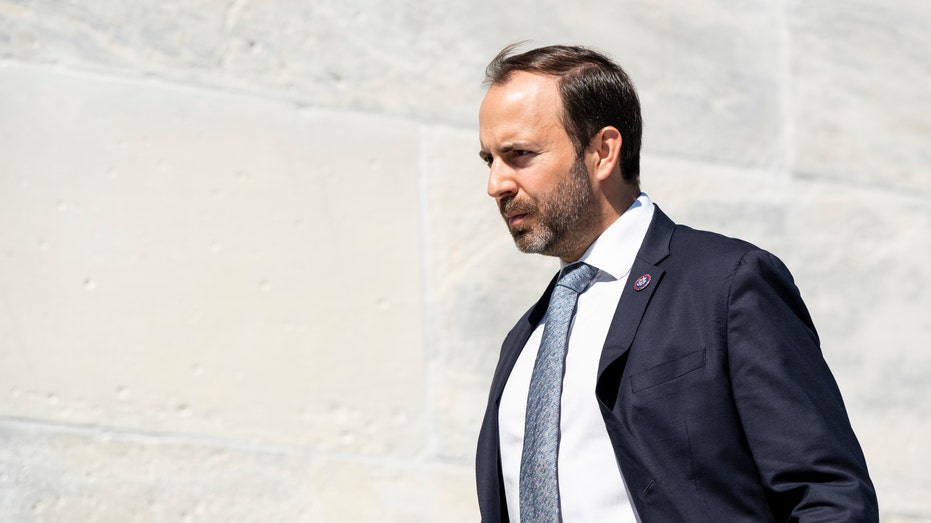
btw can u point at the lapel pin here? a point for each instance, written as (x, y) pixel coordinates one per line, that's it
(642, 282)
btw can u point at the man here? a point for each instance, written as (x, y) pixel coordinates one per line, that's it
(673, 375)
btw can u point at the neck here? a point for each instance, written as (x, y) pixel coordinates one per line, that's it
(611, 210)
(621, 200)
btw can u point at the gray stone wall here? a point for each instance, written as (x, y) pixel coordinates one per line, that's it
(249, 272)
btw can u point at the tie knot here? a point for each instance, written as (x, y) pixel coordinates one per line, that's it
(577, 276)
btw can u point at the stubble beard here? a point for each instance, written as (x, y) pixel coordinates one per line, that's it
(560, 219)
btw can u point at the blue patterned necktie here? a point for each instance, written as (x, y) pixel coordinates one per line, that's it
(539, 490)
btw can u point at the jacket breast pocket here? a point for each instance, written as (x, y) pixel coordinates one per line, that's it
(668, 371)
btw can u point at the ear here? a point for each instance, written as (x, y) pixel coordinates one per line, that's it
(605, 150)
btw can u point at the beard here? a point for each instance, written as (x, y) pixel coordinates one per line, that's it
(558, 219)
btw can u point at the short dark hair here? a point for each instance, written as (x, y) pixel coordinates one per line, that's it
(595, 93)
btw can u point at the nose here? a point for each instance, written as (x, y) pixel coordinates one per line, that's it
(501, 181)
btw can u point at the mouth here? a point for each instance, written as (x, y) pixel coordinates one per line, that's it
(515, 213)
(515, 219)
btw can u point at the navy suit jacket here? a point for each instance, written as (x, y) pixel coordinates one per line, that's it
(716, 398)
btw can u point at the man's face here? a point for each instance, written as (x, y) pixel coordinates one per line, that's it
(543, 191)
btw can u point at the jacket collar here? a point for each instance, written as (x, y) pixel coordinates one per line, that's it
(632, 305)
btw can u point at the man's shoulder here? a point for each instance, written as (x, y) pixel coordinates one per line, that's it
(700, 252)
(697, 242)
(669, 239)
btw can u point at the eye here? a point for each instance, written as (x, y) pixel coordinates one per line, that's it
(520, 156)
(486, 157)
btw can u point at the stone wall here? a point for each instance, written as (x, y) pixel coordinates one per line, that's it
(249, 272)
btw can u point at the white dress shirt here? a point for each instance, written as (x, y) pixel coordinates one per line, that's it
(591, 486)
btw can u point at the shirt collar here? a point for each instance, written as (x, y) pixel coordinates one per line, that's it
(613, 253)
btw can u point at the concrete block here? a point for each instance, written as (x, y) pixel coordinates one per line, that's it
(184, 262)
(384, 57)
(410, 492)
(708, 72)
(897, 453)
(53, 474)
(859, 77)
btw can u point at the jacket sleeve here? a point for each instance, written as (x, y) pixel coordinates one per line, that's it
(810, 462)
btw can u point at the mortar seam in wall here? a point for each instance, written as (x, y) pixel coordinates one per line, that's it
(768, 168)
(912, 517)
(205, 89)
(105, 433)
(788, 102)
(426, 276)
(909, 193)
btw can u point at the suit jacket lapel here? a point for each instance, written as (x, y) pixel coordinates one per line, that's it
(634, 302)
(515, 341)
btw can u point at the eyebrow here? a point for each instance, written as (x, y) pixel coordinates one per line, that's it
(508, 147)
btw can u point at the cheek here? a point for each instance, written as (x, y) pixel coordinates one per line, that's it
(546, 179)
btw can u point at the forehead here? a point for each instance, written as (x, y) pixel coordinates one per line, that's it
(526, 103)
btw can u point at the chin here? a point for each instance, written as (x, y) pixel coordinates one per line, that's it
(530, 243)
